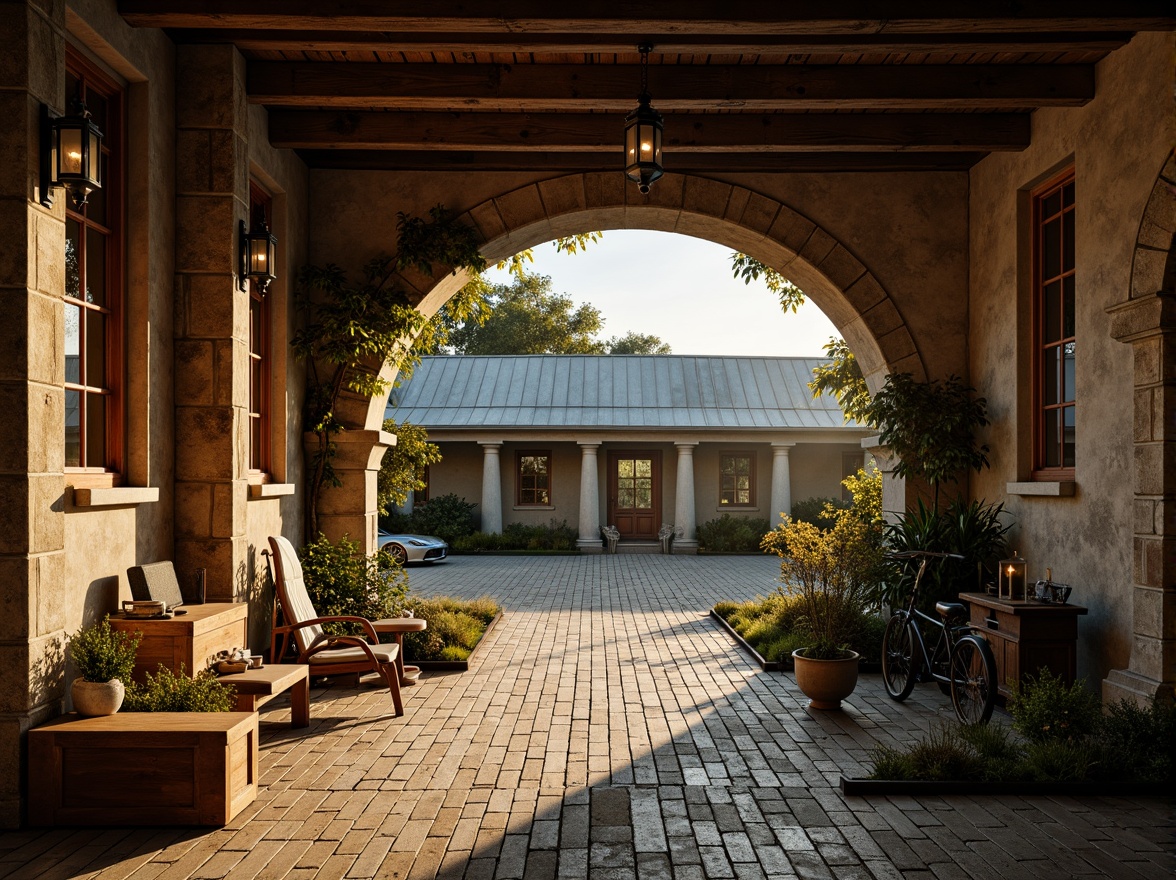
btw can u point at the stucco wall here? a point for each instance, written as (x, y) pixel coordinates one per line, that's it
(1117, 145)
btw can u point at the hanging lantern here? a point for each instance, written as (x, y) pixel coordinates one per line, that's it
(258, 255)
(71, 154)
(643, 134)
(1013, 578)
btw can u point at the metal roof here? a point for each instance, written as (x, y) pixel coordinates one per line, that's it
(614, 391)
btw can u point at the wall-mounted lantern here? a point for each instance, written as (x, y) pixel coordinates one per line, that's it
(258, 255)
(71, 154)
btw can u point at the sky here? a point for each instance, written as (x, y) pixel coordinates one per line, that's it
(684, 276)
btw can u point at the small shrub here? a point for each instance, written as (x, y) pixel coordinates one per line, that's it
(1046, 708)
(168, 692)
(455, 627)
(943, 755)
(341, 580)
(1137, 744)
(555, 536)
(814, 511)
(102, 653)
(447, 517)
(1058, 760)
(1002, 756)
(732, 534)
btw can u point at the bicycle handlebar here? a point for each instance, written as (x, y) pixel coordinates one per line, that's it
(916, 554)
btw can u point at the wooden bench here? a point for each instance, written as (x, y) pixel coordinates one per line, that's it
(143, 768)
(255, 687)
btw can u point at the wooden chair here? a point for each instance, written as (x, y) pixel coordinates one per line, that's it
(324, 654)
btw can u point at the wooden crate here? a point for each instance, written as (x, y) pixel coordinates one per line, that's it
(190, 639)
(143, 768)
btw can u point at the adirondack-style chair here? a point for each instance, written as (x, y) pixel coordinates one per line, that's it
(324, 654)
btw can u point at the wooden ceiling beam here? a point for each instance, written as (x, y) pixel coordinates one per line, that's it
(592, 132)
(666, 44)
(677, 162)
(646, 18)
(612, 87)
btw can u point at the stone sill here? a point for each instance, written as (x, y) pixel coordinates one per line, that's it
(117, 496)
(270, 490)
(533, 507)
(1043, 488)
(732, 509)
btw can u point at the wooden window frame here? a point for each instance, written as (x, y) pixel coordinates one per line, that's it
(260, 361)
(751, 457)
(520, 489)
(1041, 471)
(108, 473)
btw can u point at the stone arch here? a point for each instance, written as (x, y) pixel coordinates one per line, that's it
(1147, 321)
(758, 225)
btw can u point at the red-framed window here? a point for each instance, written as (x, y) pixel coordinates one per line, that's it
(533, 467)
(1055, 394)
(737, 479)
(260, 208)
(94, 435)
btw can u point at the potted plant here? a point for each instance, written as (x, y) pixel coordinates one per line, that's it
(832, 571)
(104, 659)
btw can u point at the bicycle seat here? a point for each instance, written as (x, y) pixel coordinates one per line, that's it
(950, 610)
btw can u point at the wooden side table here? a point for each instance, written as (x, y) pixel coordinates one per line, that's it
(256, 687)
(397, 627)
(1027, 635)
(191, 639)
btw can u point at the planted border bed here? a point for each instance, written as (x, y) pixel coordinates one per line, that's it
(457, 665)
(773, 665)
(858, 787)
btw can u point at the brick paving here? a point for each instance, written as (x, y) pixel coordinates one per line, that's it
(609, 730)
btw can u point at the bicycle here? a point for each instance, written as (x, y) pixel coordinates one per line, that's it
(961, 661)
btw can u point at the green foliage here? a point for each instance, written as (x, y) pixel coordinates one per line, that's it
(1058, 760)
(1135, 743)
(403, 468)
(930, 427)
(732, 534)
(821, 512)
(341, 580)
(455, 627)
(750, 269)
(842, 378)
(866, 488)
(569, 244)
(166, 691)
(446, 517)
(102, 653)
(351, 328)
(637, 343)
(833, 572)
(556, 535)
(1045, 708)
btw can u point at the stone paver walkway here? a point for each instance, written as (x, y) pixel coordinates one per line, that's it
(610, 730)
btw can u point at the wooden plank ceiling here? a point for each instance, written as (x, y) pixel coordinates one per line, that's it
(744, 84)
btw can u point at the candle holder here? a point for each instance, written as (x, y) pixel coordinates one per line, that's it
(1013, 578)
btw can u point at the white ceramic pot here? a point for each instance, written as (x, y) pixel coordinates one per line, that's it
(826, 682)
(97, 697)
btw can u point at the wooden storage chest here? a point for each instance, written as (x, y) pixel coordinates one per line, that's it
(190, 639)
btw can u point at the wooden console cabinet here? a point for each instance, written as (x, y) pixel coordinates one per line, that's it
(1026, 636)
(191, 639)
(143, 768)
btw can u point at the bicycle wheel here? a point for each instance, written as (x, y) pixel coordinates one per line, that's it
(899, 657)
(973, 680)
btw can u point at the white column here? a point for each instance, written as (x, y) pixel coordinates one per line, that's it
(491, 487)
(781, 482)
(589, 538)
(684, 517)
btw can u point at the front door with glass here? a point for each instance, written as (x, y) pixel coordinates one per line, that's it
(634, 493)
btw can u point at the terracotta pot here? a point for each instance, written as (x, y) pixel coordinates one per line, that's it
(826, 682)
(97, 697)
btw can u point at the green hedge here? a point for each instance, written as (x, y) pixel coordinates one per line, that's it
(732, 534)
(556, 535)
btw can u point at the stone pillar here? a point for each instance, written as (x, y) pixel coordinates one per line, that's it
(349, 509)
(685, 521)
(1148, 324)
(589, 537)
(781, 482)
(211, 318)
(32, 373)
(491, 487)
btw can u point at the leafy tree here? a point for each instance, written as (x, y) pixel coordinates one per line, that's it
(568, 244)
(638, 343)
(750, 269)
(842, 378)
(403, 468)
(526, 317)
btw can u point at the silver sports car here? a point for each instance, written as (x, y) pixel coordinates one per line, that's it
(413, 548)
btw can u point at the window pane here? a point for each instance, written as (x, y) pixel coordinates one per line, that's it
(96, 206)
(1068, 437)
(1067, 306)
(1067, 241)
(1049, 375)
(625, 498)
(644, 498)
(95, 268)
(1049, 422)
(97, 105)
(1051, 249)
(254, 387)
(73, 421)
(542, 497)
(744, 465)
(1068, 194)
(644, 467)
(1051, 204)
(726, 465)
(625, 467)
(1051, 317)
(743, 482)
(255, 443)
(95, 431)
(95, 366)
(1069, 391)
(745, 496)
(73, 343)
(73, 256)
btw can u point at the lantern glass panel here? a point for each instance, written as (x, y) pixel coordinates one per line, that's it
(94, 156)
(69, 152)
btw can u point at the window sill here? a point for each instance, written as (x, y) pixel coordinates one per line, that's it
(731, 508)
(533, 507)
(1043, 488)
(117, 496)
(270, 490)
